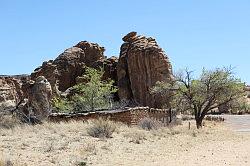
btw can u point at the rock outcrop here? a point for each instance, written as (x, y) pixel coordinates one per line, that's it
(10, 91)
(38, 94)
(109, 66)
(141, 64)
(65, 70)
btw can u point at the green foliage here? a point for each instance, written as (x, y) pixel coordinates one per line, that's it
(239, 106)
(95, 94)
(90, 96)
(211, 90)
(61, 105)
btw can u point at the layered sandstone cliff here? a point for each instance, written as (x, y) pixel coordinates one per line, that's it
(141, 64)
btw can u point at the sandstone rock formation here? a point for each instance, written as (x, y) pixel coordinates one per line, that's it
(38, 94)
(10, 91)
(141, 64)
(110, 67)
(65, 70)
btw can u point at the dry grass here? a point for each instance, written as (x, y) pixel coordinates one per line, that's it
(8, 121)
(136, 135)
(70, 144)
(149, 124)
(101, 128)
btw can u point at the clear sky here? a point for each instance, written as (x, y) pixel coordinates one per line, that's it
(194, 33)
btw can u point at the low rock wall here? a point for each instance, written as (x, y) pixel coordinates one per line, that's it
(130, 116)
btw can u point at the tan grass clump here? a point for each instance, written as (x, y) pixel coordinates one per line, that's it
(136, 136)
(149, 124)
(101, 128)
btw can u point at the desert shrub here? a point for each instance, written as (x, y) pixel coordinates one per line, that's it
(101, 128)
(9, 121)
(149, 124)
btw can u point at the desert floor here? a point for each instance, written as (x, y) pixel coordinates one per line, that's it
(69, 144)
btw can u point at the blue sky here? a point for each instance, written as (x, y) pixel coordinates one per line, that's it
(194, 33)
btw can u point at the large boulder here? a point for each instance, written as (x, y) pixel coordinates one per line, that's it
(38, 94)
(65, 70)
(141, 64)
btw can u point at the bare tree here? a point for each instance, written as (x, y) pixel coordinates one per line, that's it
(211, 90)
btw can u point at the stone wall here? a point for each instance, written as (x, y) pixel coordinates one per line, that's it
(129, 116)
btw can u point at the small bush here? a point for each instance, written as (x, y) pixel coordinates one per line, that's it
(149, 124)
(101, 128)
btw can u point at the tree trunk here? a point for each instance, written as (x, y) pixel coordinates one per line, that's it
(199, 116)
(92, 102)
(198, 119)
(199, 123)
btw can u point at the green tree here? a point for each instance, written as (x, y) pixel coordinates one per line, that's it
(95, 93)
(60, 104)
(211, 90)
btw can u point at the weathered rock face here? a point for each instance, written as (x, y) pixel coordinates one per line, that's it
(110, 67)
(141, 64)
(38, 93)
(62, 73)
(10, 91)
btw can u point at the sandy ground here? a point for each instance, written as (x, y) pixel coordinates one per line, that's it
(69, 144)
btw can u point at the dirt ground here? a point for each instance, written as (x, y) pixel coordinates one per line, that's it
(68, 144)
